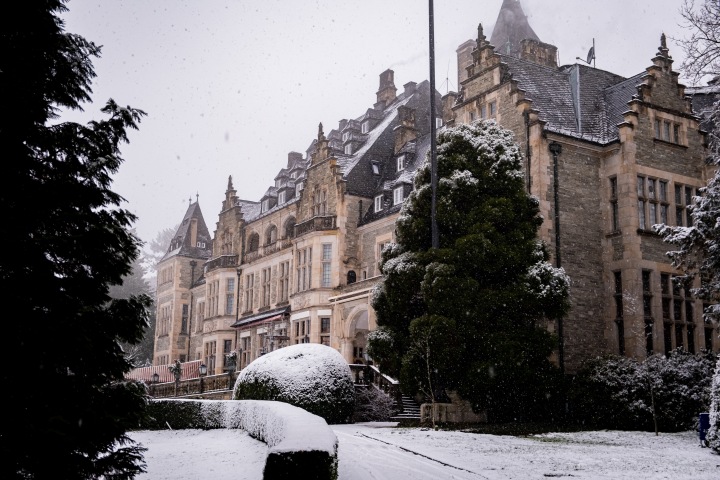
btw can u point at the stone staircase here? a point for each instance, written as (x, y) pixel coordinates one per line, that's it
(410, 410)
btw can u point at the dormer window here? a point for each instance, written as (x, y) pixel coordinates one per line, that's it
(438, 122)
(348, 149)
(346, 136)
(278, 182)
(281, 197)
(298, 189)
(375, 168)
(293, 175)
(400, 163)
(265, 205)
(378, 203)
(365, 127)
(398, 195)
(201, 244)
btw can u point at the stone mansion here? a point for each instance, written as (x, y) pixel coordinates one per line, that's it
(607, 156)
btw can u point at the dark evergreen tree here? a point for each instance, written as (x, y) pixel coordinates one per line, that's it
(489, 279)
(66, 241)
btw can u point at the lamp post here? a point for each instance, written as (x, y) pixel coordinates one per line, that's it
(203, 372)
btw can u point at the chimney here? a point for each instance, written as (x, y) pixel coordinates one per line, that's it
(193, 231)
(294, 157)
(410, 88)
(406, 131)
(343, 124)
(538, 52)
(386, 94)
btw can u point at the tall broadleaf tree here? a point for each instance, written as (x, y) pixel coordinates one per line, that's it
(489, 281)
(66, 242)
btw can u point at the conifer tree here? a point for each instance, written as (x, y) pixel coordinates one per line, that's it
(489, 279)
(65, 242)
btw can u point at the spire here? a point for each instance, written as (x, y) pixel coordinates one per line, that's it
(511, 27)
(230, 185)
(663, 51)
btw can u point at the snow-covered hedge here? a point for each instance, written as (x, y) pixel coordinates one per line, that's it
(713, 435)
(309, 375)
(297, 441)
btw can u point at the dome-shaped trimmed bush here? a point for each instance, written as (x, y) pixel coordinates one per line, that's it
(311, 376)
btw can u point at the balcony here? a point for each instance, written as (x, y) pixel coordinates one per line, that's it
(221, 262)
(316, 224)
(267, 249)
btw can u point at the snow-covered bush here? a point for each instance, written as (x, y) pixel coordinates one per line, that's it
(310, 376)
(622, 393)
(713, 435)
(372, 405)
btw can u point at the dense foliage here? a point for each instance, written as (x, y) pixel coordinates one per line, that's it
(660, 393)
(713, 435)
(311, 376)
(470, 316)
(67, 242)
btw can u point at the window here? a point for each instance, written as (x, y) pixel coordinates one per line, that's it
(229, 296)
(348, 149)
(184, 321)
(472, 116)
(650, 208)
(647, 311)
(325, 330)
(400, 163)
(378, 203)
(271, 235)
(284, 281)
(199, 317)
(483, 112)
(683, 205)
(365, 127)
(614, 205)
(214, 298)
(227, 347)
(619, 312)
(492, 106)
(663, 201)
(246, 356)
(346, 136)
(200, 244)
(438, 122)
(254, 242)
(249, 287)
(398, 195)
(351, 277)
(375, 168)
(298, 189)
(302, 331)
(667, 131)
(319, 202)
(210, 351)
(265, 206)
(265, 277)
(281, 197)
(326, 265)
(304, 269)
(278, 182)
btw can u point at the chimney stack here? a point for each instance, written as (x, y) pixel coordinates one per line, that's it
(406, 131)
(386, 94)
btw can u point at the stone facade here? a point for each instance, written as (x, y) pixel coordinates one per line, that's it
(606, 156)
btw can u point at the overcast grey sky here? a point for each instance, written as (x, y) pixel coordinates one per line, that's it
(232, 86)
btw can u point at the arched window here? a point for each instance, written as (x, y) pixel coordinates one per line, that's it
(254, 242)
(271, 235)
(351, 277)
(289, 228)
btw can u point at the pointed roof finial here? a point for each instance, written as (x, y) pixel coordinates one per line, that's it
(189, 200)
(320, 131)
(481, 39)
(663, 41)
(230, 185)
(197, 197)
(662, 49)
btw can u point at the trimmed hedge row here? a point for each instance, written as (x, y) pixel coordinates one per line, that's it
(298, 441)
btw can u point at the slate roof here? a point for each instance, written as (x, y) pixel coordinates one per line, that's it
(180, 244)
(576, 100)
(511, 27)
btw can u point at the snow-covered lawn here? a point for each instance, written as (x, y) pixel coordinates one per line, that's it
(379, 451)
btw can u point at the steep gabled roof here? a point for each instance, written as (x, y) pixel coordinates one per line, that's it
(182, 242)
(511, 28)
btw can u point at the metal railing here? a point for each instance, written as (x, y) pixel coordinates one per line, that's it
(221, 261)
(193, 386)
